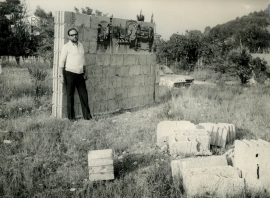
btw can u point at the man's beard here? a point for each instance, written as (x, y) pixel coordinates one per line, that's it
(73, 41)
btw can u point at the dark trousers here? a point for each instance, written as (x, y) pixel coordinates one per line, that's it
(76, 80)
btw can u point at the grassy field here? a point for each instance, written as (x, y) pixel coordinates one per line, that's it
(47, 157)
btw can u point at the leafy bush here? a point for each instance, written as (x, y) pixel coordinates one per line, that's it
(259, 68)
(241, 64)
(38, 77)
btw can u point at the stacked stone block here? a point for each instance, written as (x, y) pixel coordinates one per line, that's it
(221, 133)
(167, 128)
(100, 163)
(252, 157)
(207, 176)
(116, 81)
(183, 137)
(189, 142)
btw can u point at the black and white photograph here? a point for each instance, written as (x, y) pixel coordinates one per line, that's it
(135, 98)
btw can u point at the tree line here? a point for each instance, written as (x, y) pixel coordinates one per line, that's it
(19, 37)
(224, 48)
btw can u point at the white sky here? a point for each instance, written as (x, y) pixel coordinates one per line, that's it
(171, 16)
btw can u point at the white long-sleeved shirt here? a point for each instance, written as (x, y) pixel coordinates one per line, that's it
(73, 56)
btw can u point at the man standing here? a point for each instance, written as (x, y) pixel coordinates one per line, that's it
(71, 64)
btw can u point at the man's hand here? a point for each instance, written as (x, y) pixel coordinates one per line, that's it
(85, 73)
(85, 77)
(61, 79)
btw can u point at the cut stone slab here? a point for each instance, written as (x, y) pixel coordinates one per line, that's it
(213, 185)
(210, 128)
(101, 169)
(100, 163)
(183, 147)
(179, 165)
(101, 176)
(230, 157)
(221, 133)
(167, 128)
(208, 176)
(185, 125)
(100, 154)
(164, 129)
(231, 131)
(189, 142)
(222, 171)
(252, 157)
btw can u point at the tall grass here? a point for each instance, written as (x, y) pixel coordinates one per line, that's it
(48, 157)
(18, 90)
(246, 107)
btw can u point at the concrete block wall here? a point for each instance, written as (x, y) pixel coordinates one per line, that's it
(117, 82)
(252, 157)
(117, 79)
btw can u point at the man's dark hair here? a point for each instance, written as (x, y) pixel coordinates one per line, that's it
(71, 30)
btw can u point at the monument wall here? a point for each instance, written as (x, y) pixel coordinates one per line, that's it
(120, 64)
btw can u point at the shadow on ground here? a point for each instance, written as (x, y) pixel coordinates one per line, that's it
(244, 134)
(132, 162)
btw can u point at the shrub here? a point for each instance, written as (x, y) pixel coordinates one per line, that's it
(259, 67)
(38, 77)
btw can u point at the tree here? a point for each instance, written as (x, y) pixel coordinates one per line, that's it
(46, 34)
(250, 30)
(19, 42)
(241, 60)
(255, 38)
(259, 68)
(244, 66)
(140, 17)
(193, 46)
(10, 7)
(7, 8)
(207, 30)
(4, 34)
(77, 11)
(89, 11)
(98, 13)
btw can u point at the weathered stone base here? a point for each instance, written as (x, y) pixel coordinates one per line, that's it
(252, 157)
(208, 176)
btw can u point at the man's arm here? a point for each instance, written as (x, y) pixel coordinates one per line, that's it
(61, 75)
(84, 70)
(62, 62)
(85, 73)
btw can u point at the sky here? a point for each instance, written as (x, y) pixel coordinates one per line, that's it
(170, 16)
